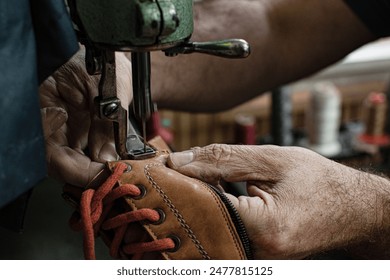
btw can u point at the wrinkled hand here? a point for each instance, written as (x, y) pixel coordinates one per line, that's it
(299, 203)
(77, 142)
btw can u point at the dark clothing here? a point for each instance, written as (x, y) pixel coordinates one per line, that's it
(36, 37)
(375, 14)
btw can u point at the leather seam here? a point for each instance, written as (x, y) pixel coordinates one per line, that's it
(176, 212)
(224, 214)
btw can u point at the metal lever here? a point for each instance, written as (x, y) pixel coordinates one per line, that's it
(232, 48)
(128, 144)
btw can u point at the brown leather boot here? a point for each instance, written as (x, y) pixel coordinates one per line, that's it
(145, 210)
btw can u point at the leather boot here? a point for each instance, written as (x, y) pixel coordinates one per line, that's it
(145, 210)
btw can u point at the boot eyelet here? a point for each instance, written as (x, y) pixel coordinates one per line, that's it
(162, 216)
(142, 194)
(177, 242)
(128, 169)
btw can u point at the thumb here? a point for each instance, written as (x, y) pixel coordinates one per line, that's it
(53, 118)
(231, 163)
(101, 141)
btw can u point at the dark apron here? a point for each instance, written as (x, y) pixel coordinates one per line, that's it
(35, 39)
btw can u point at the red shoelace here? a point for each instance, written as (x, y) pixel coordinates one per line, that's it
(94, 208)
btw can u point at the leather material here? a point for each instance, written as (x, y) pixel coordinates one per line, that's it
(194, 213)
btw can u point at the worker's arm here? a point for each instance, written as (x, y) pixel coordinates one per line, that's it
(300, 203)
(289, 39)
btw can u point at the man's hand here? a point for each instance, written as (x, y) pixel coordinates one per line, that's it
(299, 202)
(77, 142)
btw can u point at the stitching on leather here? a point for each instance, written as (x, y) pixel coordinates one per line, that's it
(174, 210)
(219, 203)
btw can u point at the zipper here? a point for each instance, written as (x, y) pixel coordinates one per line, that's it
(240, 227)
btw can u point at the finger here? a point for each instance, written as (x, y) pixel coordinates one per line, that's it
(53, 118)
(232, 163)
(71, 166)
(266, 194)
(101, 143)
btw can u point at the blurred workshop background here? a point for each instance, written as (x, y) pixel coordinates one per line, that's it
(341, 112)
(354, 132)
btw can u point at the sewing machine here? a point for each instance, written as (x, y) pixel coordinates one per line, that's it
(139, 27)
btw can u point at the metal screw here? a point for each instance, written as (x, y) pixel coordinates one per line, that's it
(110, 109)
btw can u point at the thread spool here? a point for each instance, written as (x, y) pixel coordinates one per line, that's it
(281, 121)
(245, 129)
(323, 119)
(374, 117)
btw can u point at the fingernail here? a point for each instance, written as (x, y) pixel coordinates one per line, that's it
(182, 158)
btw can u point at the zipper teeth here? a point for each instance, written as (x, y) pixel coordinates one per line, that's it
(240, 227)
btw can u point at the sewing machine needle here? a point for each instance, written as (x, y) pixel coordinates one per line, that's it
(144, 133)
